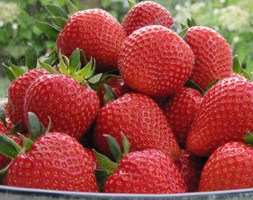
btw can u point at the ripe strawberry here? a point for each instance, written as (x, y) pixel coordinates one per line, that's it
(180, 111)
(190, 167)
(148, 171)
(224, 115)
(54, 161)
(97, 33)
(213, 56)
(229, 167)
(16, 95)
(3, 128)
(146, 13)
(142, 122)
(155, 61)
(71, 107)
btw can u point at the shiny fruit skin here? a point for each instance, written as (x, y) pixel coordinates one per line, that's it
(97, 33)
(55, 161)
(16, 95)
(142, 122)
(71, 107)
(213, 56)
(228, 168)
(147, 172)
(180, 110)
(225, 114)
(155, 61)
(146, 13)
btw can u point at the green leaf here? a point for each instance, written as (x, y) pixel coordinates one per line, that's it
(190, 83)
(15, 129)
(183, 32)
(9, 147)
(34, 126)
(96, 78)
(8, 72)
(71, 7)
(236, 64)
(3, 115)
(191, 22)
(74, 61)
(130, 3)
(47, 28)
(101, 176)
(47, 67)
(248, 138)
(31, 57)
(17, 71)
(63, 68)
(114, 148)
(105, 163)
(57, 11)
(27, 143)
(58, 21)
(86, 72)
(126, 144)
(109, 94)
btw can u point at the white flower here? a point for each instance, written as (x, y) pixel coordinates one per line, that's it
(178, 7)
(1, 23)
(236, 39)
(14, 26)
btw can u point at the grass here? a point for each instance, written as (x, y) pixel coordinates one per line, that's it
(4, 83)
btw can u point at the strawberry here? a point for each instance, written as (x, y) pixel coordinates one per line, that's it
(148, 171)
(229, 167)
(49, 160)
(54, 161)
(16, 95)
(70, 107)
(155, 61)
(140, 119)
(146, 13)
(97, 33)
(213, 56)
(180, 111)
(224, 115)
(190, 167)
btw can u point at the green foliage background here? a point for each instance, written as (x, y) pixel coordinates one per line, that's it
(232, 18)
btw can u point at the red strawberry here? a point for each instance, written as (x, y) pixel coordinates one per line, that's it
(213, 56)
(148, 171)
(224, 115)
(54, 161)
(190, 167)
(142, 122)
(3, 128)
(71, 107)
(229, 167)
(97, 33)
(146, 13)
(155, 61)
(180, 111)
(16, 95)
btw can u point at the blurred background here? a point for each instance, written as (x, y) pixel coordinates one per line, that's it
(232, 18)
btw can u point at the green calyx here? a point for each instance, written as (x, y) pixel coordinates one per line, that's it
(72, 67)
(107, 166)
(248, 138)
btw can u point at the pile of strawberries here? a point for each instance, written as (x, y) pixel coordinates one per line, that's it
(131, 107)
